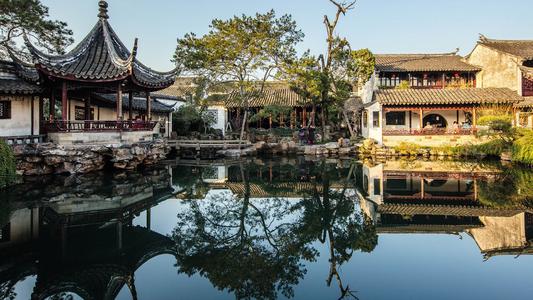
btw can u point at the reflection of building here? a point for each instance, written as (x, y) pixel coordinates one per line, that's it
(442, 197)
(83, 241)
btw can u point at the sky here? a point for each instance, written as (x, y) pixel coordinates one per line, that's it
(385, 26)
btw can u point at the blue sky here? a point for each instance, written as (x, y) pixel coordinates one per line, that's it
(385, 26)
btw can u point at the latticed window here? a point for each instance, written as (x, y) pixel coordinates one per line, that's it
(395, 118)
(5, 109)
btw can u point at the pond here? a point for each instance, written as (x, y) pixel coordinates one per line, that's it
(286, 228)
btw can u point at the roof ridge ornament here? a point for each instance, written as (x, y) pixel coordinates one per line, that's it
(103, 10)
(483, 38)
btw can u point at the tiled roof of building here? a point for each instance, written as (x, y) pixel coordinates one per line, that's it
(449, 62)
(447, 96)
(12, 82)
(446, 210)
(282, 96)
(425, 228)
(139, 103)
(519, 48)
(182, 88)
(101, 56)
(527, 103)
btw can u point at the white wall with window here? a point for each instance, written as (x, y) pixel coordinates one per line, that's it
(16, 115)
(371, 120)
(221, 117)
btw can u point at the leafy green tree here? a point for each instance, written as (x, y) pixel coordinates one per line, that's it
(245, 51)
(30, 17)
(191, 117)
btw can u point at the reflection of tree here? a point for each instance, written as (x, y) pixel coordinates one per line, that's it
(240, 246)
(510, 189)
(330, 216)
(191, 181)
(255, 249)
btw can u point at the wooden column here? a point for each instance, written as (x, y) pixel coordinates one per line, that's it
(88, 107)
(32, 115)
(410, 121)
(474, 118)
(41, 113)
(148, 107)
(270, 121)
(422, 191)
(421, 112)
(119, 102)
(52, 108)
(64, 101)
(130, 106)
(304, 117)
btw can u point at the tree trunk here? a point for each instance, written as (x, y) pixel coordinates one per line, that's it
(348, 123)
(313, 115)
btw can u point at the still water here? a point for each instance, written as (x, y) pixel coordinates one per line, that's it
(272, 229)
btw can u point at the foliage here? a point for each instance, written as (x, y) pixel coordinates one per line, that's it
(404, 85)
(190, 117)
(405, 148)
(329, 79)
(513, 187)
(30, 17)
(245, 50)
(8, 165)
(522, 150)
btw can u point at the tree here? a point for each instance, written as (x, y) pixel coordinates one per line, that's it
(338, 71)
(30, 17)
(245, 51)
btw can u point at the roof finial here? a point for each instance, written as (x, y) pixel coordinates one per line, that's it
(103, 10)
(483, 38)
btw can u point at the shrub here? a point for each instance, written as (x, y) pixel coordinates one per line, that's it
(405, 148)
(8, 166)
(522, 150)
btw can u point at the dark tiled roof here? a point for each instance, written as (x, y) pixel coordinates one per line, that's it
(101, 56)
(519, 48)
(447, 96)
(139, 103)
(422, 63)
(11, 81)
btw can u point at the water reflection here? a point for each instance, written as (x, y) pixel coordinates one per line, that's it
(254, 229)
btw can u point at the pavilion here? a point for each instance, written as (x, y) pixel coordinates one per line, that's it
(99, 65)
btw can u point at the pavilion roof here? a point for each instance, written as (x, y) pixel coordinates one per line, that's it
(522, 49)
(447, 62)
(101, 57)
(468, 96)
(12, 80)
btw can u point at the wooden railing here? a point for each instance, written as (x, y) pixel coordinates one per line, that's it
(99, 126)
(216, 144)
(429, 131)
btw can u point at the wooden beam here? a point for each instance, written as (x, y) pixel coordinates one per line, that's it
(64, 101)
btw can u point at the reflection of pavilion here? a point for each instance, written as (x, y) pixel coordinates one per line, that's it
(86, 245)
(424, 198)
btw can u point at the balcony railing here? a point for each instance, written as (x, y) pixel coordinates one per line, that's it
(429, 131)
(99, 126)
